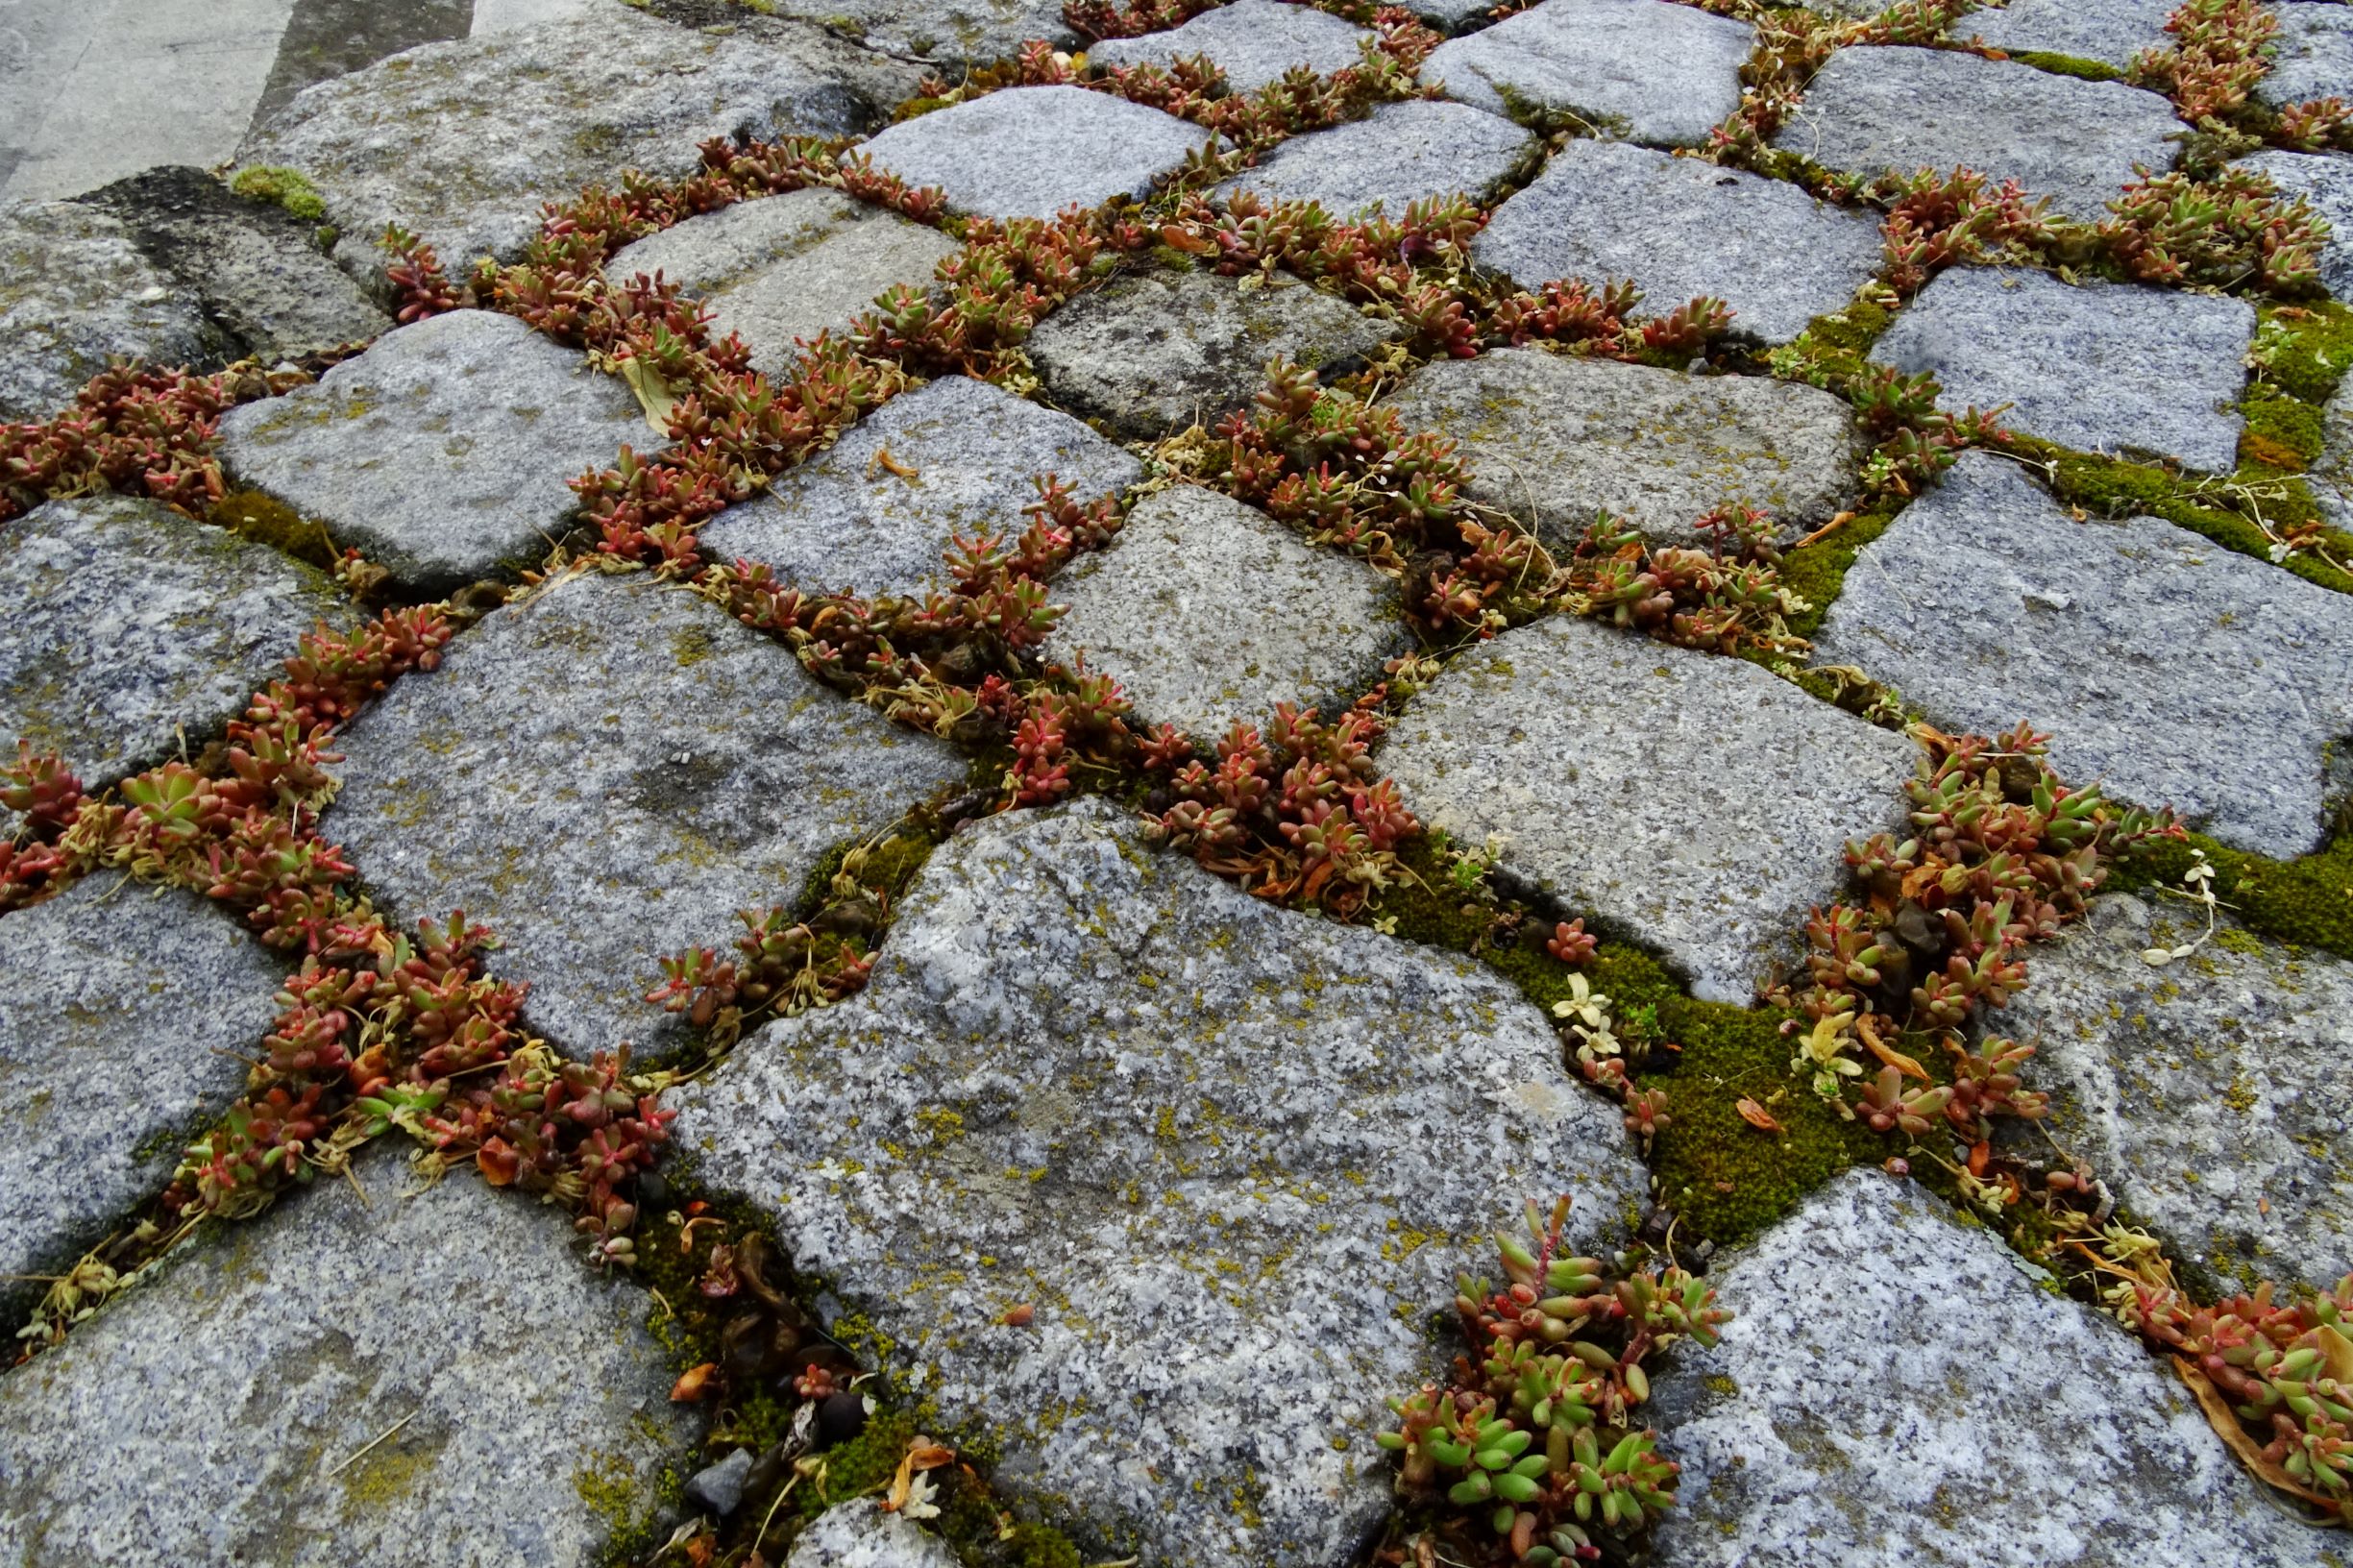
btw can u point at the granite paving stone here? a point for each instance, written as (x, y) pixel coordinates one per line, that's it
(1979, 1415)
(1129, 1079)
(125, 1012)
(789, 267)
(446, 452)
(134, 629)
(2177, 671)
(1030, 152)
(1661, 73)
(1554, 440)
(1689, 800)
(2312, 56)
(2332, 475)
(1252, 43)
(1156, 349)
(2111, 32)
(236, 1397)
(76, 295)
(2324, 180)
(861, 1535)
(966, 459)
(1879, 107)
(958, 33)
(1210, 613)
(1678, 228)
(1399, 155)
(2097, 367)
(604, 775)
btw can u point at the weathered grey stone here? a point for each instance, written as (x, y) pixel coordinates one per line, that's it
(1879, 107)
(603, 775)
(1679, 228)
(1553, 439)
(131, 627)
(2313, 55)
(1253, 43)
(789, 266)
(1662, 73)
(2111, 32)
(219, 1412)
(1976, 1415)
(1211, 612)
(1030, 152)
(445, 453)
(847, 523)
(462, 141)
(2179, 672)
(2211, 1093)
(1694, 803)
(1191, 1130)
(2324, 180)
(961, 32)
(861, 1535)
(75, 295)
(1399, 155)
(2332, 475)
(1156, 349)
(2099, 367)
(719, 1487)
(256, 268)
(123, 1012)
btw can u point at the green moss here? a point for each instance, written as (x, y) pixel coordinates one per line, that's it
(2303, 350)
(252, 515)
(1833, 347)
(2084, 70)
(281, 187)
(2283, 433)
(2307, 901)
(2112, 487)
(1817, 572)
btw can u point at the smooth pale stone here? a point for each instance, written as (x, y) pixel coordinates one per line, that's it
(1031, 152)
(1661, 73)
(1399, 155)
(2112, 31)
(2312, 56)
(76, 295)
(1252, 43)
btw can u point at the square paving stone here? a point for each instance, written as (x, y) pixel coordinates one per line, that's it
(2179, 672)
(1030, 152)
(2111, 32)
(1155, 350)
(125, 1014)
(1878, 108)
(2325, 181)
(1681, 228)
(604, 775)
(787, 267)
(1211, 612)
(75, 296)
(1253, 43)
(461, 142)
(1399, 155)
(243, 1406)
(958, 32)
(1689, 800)
(970, 456)
(1554, 440)
(446, 452)
(2312, 56)
(131, 627)
(1661, 73)
(2099, 367)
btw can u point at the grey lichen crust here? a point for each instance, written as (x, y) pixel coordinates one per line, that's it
(1898, 1388)
(603, 775)
(75, 295)
(1252, 42)
(124, 1013)
(1691, 801)
(462, 141)
(1030, 152)
(2211, 1093)
(1155, 351)
(861, 1535)
(1678, 228)
(2100, 367)
(964, 458)
(1210, 613)
(1399, 155)
(1665, 74)
(789, 266)
(229, 1409)
(1553, 440)
(445, 453)
(2179, 671)
(1880, 108)
(1217, 1146)
(134, 630)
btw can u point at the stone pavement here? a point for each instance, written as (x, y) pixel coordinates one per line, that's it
(1077, 778)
